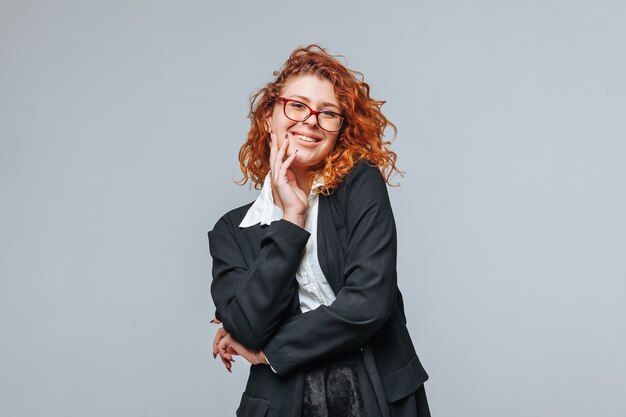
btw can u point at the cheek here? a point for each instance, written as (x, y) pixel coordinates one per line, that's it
(330, 146)
(279, 120)
(333, 142)
(274, 119)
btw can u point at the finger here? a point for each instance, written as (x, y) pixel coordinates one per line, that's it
(273, 148)
(223, 352)
(280, 157)
(287, 163)
(218, 337)
(274, 166)
(226, 363)
(280, 160)
(224, 356)
(216, 340)
(223, 347)
(232, 352)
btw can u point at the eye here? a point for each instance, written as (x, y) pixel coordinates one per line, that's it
(329, 115)
(296, 105)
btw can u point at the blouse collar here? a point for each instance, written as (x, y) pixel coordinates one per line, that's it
(264, 211)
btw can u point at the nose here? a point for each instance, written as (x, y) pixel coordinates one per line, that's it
(311, 120)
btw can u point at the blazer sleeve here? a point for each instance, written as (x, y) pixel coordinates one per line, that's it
(367, 299)
(251, 299)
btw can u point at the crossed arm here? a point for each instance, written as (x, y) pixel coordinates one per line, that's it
(364, 303)
(263, 290)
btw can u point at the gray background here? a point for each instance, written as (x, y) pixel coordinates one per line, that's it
(120, 122)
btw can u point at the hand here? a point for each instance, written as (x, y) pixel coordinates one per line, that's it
(293, 200)
(226, 346)
(227, 356)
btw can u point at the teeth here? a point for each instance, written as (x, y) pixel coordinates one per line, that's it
(306, 138)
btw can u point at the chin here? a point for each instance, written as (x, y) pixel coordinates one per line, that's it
(307, 164)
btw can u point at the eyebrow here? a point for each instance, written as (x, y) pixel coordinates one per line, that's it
(323, 104)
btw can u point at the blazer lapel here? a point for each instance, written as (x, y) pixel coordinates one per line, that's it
(329, 248)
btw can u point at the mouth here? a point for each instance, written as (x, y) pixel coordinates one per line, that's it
(307, 139)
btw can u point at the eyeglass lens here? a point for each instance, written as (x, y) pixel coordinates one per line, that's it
(299, 112)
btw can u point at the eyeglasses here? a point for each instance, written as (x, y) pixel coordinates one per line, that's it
(299, 112)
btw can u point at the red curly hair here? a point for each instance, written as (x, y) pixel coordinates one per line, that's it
(361, 137)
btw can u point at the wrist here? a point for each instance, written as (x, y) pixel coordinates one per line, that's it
(260, 356)
(297, 219)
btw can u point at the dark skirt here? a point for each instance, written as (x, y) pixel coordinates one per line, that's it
(343, 388)
(340, 388)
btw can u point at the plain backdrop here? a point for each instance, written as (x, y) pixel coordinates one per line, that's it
(120, 123)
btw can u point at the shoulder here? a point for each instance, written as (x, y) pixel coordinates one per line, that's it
(232, 218)
(363, 170)
(362, 189)
(364, 180)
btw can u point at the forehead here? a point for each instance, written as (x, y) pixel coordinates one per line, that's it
(312, 87)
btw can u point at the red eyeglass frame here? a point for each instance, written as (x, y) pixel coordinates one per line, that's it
(311, 112)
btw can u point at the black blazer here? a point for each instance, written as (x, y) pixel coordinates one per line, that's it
(256, 296)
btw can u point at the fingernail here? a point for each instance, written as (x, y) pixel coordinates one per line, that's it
(214, 355)
(213, 321)
(229, 370)
(271, 132)
(296, 151)
(285, 136)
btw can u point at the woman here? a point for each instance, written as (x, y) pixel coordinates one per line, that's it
(304, 278)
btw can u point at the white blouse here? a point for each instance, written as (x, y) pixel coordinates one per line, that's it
(314, 289)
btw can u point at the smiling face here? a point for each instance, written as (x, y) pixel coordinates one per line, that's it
(312, 142)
